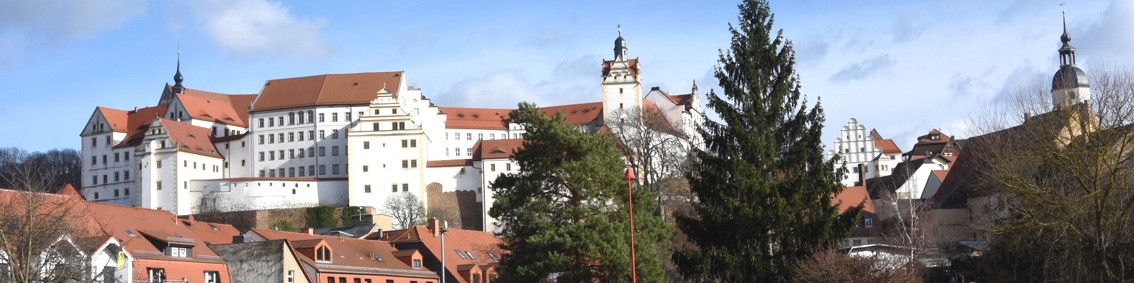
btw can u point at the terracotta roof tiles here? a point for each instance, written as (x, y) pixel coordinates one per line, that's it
(853, 197)
(191, 139)
(888, 146)
(330, 89)
(494, 149)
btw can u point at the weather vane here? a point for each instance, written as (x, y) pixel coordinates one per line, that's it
(619, 30)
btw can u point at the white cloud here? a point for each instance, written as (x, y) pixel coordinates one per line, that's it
(500, 89)
(62, 20)
(252, 28)
(1110, 36)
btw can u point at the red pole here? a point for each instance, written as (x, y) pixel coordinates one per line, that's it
(633, 254)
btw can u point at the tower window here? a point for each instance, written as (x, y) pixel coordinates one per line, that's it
(619, 90)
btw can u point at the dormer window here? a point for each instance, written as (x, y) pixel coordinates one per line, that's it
(935, 137)
(323, 254)
(417, 263)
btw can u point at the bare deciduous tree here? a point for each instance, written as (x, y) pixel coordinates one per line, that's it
(405, 209)
(36, 225)
(836, 267)
(1059, 184)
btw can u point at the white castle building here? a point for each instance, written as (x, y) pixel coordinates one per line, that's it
(864, 154)
(335, 139)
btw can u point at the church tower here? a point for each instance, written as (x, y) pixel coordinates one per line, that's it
(1070, 85)
(621, 82)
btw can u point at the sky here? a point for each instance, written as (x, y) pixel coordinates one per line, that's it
(901, 67)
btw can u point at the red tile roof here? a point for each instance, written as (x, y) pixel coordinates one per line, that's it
(925, 139)
(191, 139)
(331, 89)
(853, 197)
(138, 122)
(349, 255)
(577, 114)
(940, 174)
(681, 99)
(476, 118)
(116, 119)
(479, 243)
(888, 146)
(216, 107)
(493, 149)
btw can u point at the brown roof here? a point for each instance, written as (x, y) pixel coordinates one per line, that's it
(852, 197)
(492, 149)
(940, 174)
(350, 255)
(926, 138)
(633, 63)
(138, 122)
(191, 139)
(216, 107)
(449, 163)
(479, 243)
(69, 190)
(160, 226)
(332, 89)
(682, 99)
(476, 118)
(116, 119)
(888, 146)
(577, 114)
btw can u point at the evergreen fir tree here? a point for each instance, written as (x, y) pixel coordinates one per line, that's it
(762, 188)
(565, 214)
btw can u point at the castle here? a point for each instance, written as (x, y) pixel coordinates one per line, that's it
(333, 139)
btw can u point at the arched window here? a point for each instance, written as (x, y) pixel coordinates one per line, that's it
(323, 254)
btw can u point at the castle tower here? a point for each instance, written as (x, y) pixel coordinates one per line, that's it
(621, 82)
(1070, 85)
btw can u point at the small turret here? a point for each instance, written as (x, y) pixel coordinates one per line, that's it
(177, 78)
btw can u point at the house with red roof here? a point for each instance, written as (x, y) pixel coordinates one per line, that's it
(867, 227)
(470, 256)
(348, 260)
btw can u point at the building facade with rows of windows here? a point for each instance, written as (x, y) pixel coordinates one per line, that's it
(335, 139)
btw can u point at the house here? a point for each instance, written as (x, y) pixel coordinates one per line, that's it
(471, 256)
(263, 261)
(339, 259)
(866, 229)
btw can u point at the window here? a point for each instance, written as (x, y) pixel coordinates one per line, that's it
(366, 188)
(271, 122)
(335, 117)
(271, 138)
(405, 163)
(311, 151)
(300, 136)
(365, 168)
(311, 170)
(301, 173)
(462, 255)
(156, 274)
(508, 166)
(405, 187)
(405, 143)
(479, 136)
(261, 122)
(291, 153)
(491, 136)
(281, 138)
(311, 135)
(104, 179)
(291, 137)
(158, 186)
(271, 155)
(334, 134)
(446, 136)
(322, 134)
(104, 159)
(468, 136)
(456, 151)
(413, 163)
(94, 142)
(446, 151)
(116, 177)
(335, 150)
(322, 151)
(94, 160)
(365, 145)
(291, 273)
(413, 143)
(177, 252)
(417, 263)
(335, 169)
(347, 115)
(470, 255)
(394, 111)
(126, 175)
(96, 195)
(320, 117)
(323, 254)
(115, 157)
(291, 172)
(868, 221)
(212, 276)
(291, 118)
(322, 169)
(376, 127)
(261, 156)
(261, 173)
(401, 125)
(468, 151)
(310, 116)
(394, 188)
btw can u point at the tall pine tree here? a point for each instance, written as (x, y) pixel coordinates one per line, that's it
(762, 188)
(565, 212)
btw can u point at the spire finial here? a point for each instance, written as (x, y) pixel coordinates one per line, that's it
(1066, 38)
(619, 30)
(177, 78)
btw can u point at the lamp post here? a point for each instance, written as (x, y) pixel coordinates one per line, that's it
(630, 200)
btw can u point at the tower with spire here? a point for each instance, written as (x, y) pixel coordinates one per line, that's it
(621, 82)
(177, 78)
(1070, 85)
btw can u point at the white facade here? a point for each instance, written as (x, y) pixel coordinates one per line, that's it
(334, 149)
(856, 147)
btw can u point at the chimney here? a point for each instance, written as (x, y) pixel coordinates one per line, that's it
(655, 88)
(308, 231)
(434, 227)
(862, 174)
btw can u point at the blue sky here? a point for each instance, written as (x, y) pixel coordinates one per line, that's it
(901, 67)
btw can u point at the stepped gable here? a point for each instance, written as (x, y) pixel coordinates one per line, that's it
(484, 247)
(347, 255)
(476, 118)
(116, 119)
(191, 139)
(138, 122)
(635, 67)
(330, 89)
